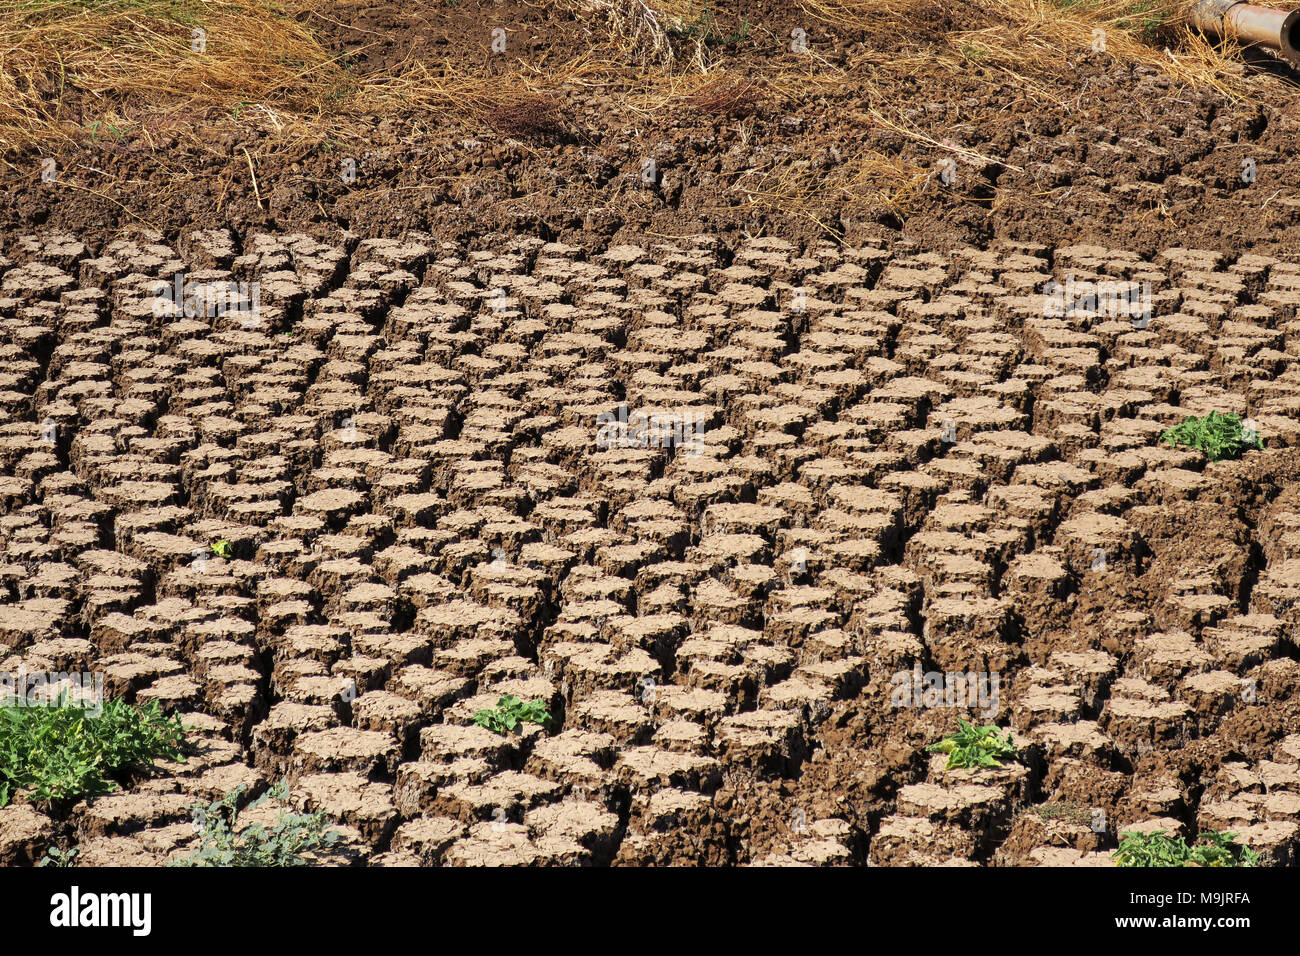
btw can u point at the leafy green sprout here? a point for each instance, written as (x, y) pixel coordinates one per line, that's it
(62, 752)
(223, 549)
(510, 712)
(57, 857)
(974, 747)
(1219, 436)
(290, 841)
(739, 36)
(94, 130)
(1159, 849)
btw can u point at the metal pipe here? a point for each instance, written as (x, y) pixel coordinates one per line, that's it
(1279, 30)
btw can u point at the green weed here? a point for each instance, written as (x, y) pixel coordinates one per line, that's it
(94, 131)
(1219, 436)
(510, 712)
(698, 26)
(740, 35)
(61, 752)
(56, 857)
(702, 26)
(1158, 849)
(1144, 16)
(974, 747)
(223, 842)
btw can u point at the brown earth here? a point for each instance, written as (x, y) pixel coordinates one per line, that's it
(1099, 151)
(907, 463)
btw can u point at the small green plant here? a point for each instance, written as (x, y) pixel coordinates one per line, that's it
(1141, 16)
(740, 35)
(1144, 14)
(510, 712)
(61, 752)
(223, 842)
(1219, 436)
(222, 549)
(56, 857)
(701, 25)
(94, 130)
(973, 746)
(1158, 849)
(697, 25)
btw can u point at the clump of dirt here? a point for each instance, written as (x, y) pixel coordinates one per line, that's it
(727, 96)
(535, 116)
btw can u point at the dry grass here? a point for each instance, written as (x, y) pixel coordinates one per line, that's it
(868, 180)
(643, 32)
(907, 130)
(505, 101)
(780, 83)
(74, 70)
(1042, 38)
(858, 14)
(85, 69)
(727, 96)
(69, 68)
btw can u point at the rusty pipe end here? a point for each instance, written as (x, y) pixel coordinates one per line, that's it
(1275, 29)
(1289, 47)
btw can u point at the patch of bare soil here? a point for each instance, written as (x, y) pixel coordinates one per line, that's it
(758, 524)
